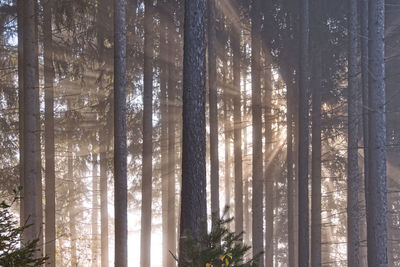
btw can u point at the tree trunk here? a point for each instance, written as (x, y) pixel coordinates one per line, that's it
(227, 168)
(257, 203)
(120, 153)
(237, 130)
(172, 114)
(102, 141)
(95, 210)
(213, 102)
(145, 244)
(193, 196)
(303, 136)
(164, 130)
(352, 164)
(50, 212)
(268, 162)
(377, 203)
(71, 188)
(316, 222)
(29, 136)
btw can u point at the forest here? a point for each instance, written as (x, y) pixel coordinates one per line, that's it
(199, 133)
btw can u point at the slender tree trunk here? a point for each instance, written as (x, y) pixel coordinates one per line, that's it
(364, 93)
(352, 165)
(102, 142)
(213, 102)
(172, 114)
(226, 132)
(120, 153)
(103, 201)
(29, 136)
(164, 131)
(237, 130)
(145, 244)
(50, 220)
(38, 133)
(257, 203)
(95, 210)
(377, 203)
(303, 136)
(268, 162)
(193, 196)
(290, 175)
(20, 20)
(71, 189)
(316, 222)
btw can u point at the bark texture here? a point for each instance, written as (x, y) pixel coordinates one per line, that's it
(120, 151)
(303, 135)
(352, 158)
(377, 200)
(193, 196)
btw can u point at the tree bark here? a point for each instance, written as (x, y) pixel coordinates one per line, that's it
(145, 244)
(193, 196)
(50, 220)
(352, 164)
(120, 152)
(377, 203)
(316, 222)
(303, 136)
(257, 203)
(29, 136)
(213, 103)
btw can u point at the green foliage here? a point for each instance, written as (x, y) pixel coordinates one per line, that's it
(13, 251)
(219, 248)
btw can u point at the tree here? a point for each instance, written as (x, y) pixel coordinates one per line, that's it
(303, 135)
(147, 137)
(317, 87)
(29, 143)
(257, 204)
(172, 114)
(376, 204)
(237, 121)
(352, 166)
(50, 210)
(193, 195)
(213, 102)
(120, 152)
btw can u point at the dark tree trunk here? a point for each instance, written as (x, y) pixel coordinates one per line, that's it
(50, 212)
(193, 196)
(257, 203)
(303, 136)
(29, 136)
(377, 203)
(120, 152)
(352, 164)
(213, 102)
(316, 138)
(145, 244)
